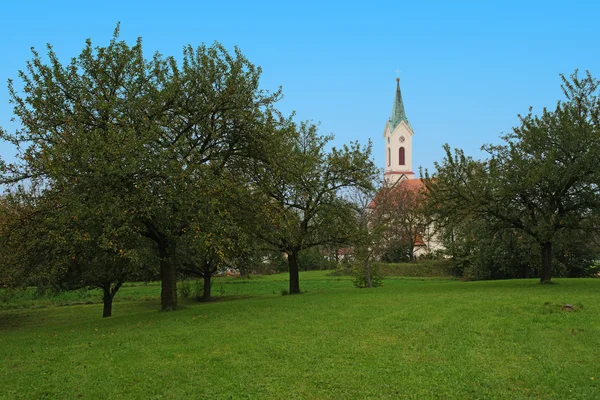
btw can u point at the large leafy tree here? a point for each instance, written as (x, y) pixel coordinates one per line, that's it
(542, 182)
(112, 130)
(300, 191)
(480, 250)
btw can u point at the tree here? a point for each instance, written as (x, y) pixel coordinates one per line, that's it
(115, 131)
(218, 116)
(408, 220)
(20, 232)
(216, 235)
(300, 191)
(542, 182)
(372, 218)
(101, 249)
(43, 242)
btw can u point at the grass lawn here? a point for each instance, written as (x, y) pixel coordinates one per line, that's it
(411, 338)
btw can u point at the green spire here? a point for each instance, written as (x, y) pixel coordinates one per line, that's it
(398, 113)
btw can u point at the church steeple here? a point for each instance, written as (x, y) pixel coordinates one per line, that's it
(398, 135)
(398, 113)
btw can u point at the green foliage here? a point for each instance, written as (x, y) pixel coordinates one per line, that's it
(479, 251)
(395, 253)
(136, 150)
(191, 288)
(541, 183)
(359, 274)
(184, 289)
(313, 259)
(421, 268)
(300, 191)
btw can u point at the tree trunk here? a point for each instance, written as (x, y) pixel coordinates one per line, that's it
(168, 268)
(168, 277)
(368, 274)
(206, 293)
(524, 271)
(109, 290)
(107, 299)
(294, 276)
(453, 249)
(546, 273)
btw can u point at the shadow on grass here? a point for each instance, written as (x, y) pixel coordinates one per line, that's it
(14, 320)
(217, 299)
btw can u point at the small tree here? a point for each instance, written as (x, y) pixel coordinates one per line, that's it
(300, 191)
(372, 218)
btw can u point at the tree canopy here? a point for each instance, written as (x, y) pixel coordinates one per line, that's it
(302, 187)
(542, 182)
(116, 134)
(183, 165)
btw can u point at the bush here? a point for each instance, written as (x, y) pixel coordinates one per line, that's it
(396, 254)
(421, 268)
(343, 269)
(358, 271)
(191, 288)
(184, 288)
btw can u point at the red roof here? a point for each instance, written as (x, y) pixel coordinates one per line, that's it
(412, 185)
(345, 251)
(419, 241)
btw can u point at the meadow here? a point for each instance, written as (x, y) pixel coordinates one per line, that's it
(411, 338)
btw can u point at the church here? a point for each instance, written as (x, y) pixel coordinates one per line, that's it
(398, 136)
(406, 190)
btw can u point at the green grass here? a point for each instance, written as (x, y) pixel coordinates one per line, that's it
(411, 338)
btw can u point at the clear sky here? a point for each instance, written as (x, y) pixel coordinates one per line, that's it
(468, 68)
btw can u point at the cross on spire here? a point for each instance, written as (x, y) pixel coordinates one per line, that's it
(397, 73)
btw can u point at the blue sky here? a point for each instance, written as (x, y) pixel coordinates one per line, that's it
(467, 68)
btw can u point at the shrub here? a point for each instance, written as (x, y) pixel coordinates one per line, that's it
(421, 268)
(360, 281)
(191, 288)
(184, 289)
(396, 254)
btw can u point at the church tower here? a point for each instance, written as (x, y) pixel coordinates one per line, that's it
(398, 136)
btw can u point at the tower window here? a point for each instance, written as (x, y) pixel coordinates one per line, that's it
(389, 157)
(401, 160)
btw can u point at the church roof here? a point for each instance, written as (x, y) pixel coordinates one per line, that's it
(414, 186)
(398, 113)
